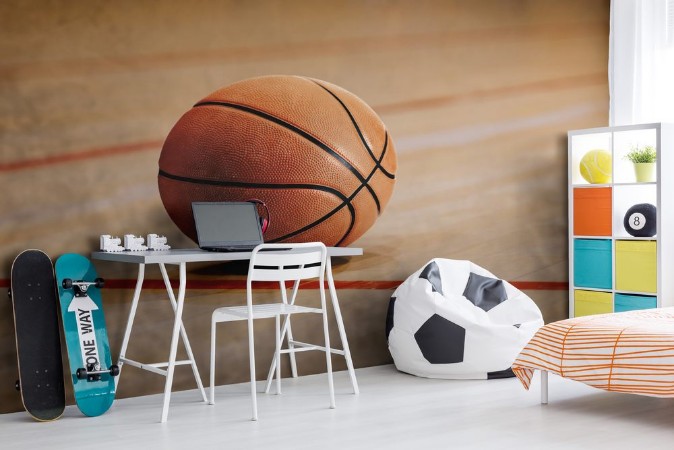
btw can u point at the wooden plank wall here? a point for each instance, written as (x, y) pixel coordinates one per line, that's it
(478, 96)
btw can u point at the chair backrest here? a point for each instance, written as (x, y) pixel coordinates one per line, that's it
(292, 262)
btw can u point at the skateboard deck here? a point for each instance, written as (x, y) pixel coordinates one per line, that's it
(91, 368)
(38, 342)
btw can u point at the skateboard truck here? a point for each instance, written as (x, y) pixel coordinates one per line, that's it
(111, 244)
(81, 287)
(134, 243)
(93, 372)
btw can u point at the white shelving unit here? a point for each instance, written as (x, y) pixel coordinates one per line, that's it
(631, 277)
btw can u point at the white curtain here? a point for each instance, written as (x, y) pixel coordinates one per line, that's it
(641, 61)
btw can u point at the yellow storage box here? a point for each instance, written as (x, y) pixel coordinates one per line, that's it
(586, 303)
(636, 266)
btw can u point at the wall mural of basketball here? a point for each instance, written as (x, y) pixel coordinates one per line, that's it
(318, 156)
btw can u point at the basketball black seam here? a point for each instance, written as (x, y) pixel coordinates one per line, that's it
(290, 127)
(353, 195)
(360, 134)
(346, 203)
(345, 200)
(211, 182)
(369, 177)
(302, 133)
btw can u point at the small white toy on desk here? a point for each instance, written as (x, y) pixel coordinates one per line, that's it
(134, 243)
(156, 242)
(111, 244)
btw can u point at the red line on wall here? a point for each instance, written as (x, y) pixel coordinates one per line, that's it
(62, 158)
(356, 284)
(541, 285)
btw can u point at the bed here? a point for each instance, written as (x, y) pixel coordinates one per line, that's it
(631, 352)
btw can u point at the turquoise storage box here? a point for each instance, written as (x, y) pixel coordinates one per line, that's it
(592, 266)
(625, 302)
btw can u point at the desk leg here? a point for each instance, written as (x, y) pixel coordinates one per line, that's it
(129, 323)
(340, 326)
(183, 333)
(174, 343)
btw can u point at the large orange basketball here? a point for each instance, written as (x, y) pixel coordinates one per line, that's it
(316, 154)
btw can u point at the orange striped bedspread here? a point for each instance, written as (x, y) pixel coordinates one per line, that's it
(629, 352)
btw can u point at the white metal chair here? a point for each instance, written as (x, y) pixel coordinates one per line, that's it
(296, 262)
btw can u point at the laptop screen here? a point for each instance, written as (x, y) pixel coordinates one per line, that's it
(227, 224)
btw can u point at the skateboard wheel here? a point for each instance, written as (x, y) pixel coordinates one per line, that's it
(81, 374)
(67, 283)
(99, 282)
(114, 370)
(17, 385)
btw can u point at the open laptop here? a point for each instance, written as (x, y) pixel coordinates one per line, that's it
(227, 226)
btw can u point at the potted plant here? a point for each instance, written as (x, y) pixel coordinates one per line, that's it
(643, 159)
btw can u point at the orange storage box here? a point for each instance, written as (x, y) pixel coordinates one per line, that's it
(592, 211)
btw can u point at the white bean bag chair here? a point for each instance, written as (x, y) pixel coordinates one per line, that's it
(454, 319)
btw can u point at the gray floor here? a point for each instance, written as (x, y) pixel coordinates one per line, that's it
(393, 411)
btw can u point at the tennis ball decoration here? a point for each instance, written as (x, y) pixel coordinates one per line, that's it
(640, 220)
(595, 166)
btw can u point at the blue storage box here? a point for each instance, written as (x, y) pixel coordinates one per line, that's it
(592, 263)
(625, 302)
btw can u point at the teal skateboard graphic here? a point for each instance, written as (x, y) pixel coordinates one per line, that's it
(91, 367)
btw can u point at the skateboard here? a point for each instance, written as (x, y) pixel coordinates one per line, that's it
(38, 342)
(91, 367)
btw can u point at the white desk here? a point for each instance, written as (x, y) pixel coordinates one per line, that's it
(181, 258)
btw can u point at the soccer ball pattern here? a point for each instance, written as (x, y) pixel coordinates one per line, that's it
(454, 319)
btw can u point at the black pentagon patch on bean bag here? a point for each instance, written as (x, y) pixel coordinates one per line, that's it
(507, 373)
(485, 292)
(432, 273)
(389, 316)
(441, 341)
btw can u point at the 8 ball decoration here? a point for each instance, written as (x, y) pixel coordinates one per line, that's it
(640, 220)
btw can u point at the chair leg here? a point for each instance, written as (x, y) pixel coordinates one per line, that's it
(328, 356)
(212, 375)
(544, 387)
(293, 365)
(278, 354)
(251, 353)
(291, 346)
(270, 375)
